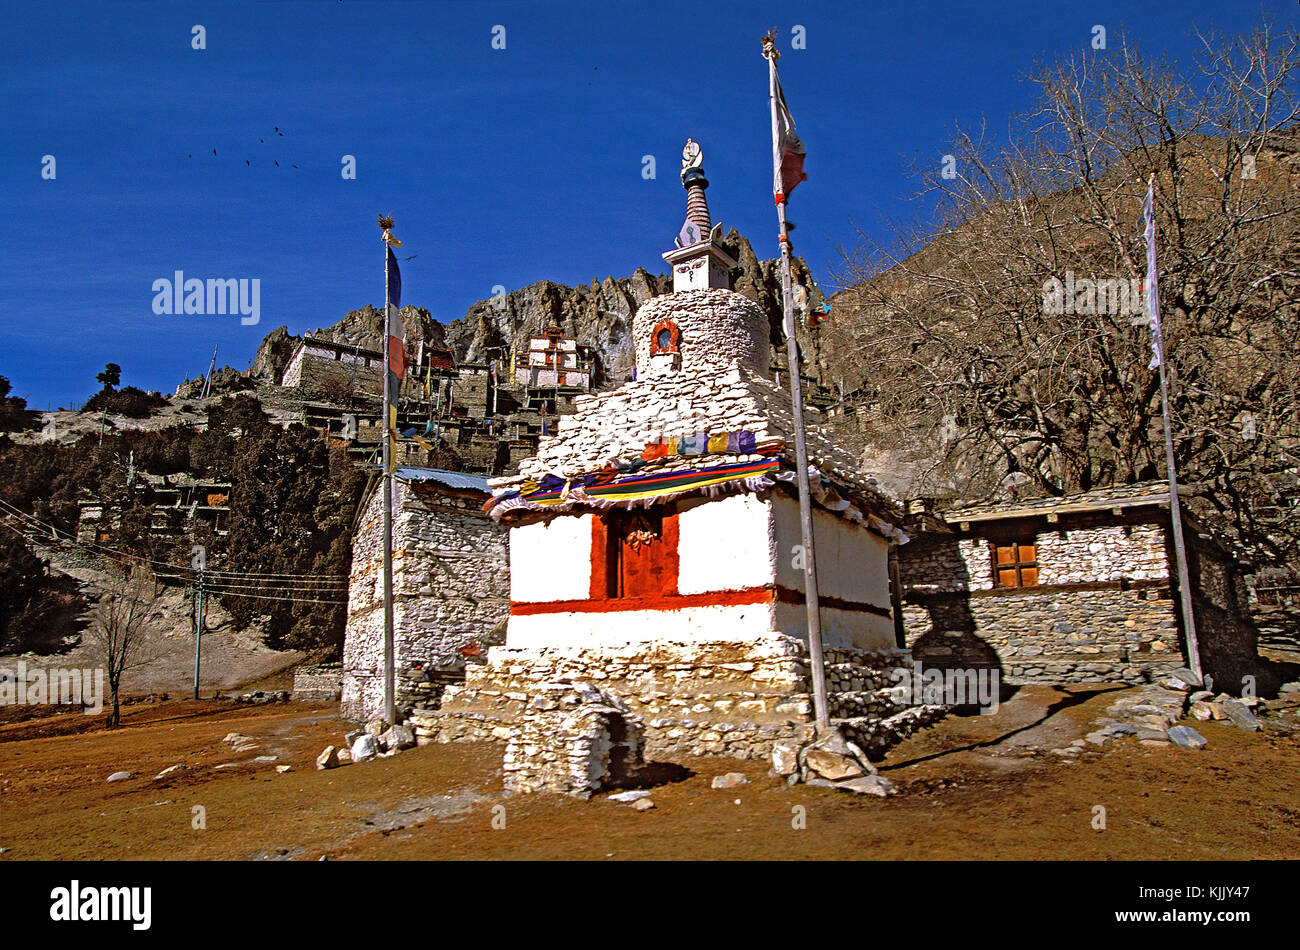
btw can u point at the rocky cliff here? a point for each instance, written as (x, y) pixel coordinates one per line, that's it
(598, 315)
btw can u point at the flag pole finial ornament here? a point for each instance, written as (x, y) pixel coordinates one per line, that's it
(386, 223)
(769, 46)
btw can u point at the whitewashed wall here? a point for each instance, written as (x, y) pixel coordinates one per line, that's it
(852, 564)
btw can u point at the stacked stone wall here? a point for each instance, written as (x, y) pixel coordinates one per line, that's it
(320, 683)
(718, 329)
(733, 699)
(450, 596)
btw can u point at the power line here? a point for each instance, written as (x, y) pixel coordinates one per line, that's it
(184, 571)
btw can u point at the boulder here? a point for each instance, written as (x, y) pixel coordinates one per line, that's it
(730, 780)
(1201, 711)
(629, 797)
(119, 776)
(1185, 737)
(1241, 717)
(869, 785)
(832, 765)
(785, 758)
(643, 804)
(398, 737)
(365, 748)
(376, 728)
(328, 759)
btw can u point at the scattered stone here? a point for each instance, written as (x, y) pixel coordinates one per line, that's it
(1120, 729)
(643, 804)
(1186, 737)
(353, 736)
(329, 759)
(730, 780)
(397, 738)
(266, 759)
(785, 758)
(832, 766)
(627, 797)
(1201, 711)
(119, 776)
(345, 755)
(1186, 678)
(1154, 742)
(869, 785)
(1199, 695)
(284, 768)
(168, 771)
(1241, 717)
(1099, 737)
(376, 727)
(366, 747)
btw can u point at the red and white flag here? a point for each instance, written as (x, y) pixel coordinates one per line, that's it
(792, 150)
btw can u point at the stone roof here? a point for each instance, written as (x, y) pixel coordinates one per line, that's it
(461, 481)
(613, 429)
(1140, 494)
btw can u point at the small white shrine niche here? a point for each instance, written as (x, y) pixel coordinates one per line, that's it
(665, 347)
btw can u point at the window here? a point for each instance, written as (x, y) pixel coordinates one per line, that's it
(1015, 563)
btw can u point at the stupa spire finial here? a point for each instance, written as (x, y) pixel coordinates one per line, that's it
(699, 261)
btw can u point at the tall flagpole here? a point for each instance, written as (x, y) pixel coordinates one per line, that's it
(816, 662)
(1175, 508)
(390, 711)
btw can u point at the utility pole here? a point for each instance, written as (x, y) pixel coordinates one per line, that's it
(198, 617)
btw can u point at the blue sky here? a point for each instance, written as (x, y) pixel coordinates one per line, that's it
(502, 166)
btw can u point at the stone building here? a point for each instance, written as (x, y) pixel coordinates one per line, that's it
(1081, 588)
(328, 367)
(450, 584)
(654, 544)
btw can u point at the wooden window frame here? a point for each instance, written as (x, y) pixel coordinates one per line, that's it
(1019, 565)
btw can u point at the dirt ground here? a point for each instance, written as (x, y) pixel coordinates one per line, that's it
(979, 787)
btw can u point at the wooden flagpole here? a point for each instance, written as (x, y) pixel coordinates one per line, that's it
(390, 706)
(1175, 508)
(816, 661)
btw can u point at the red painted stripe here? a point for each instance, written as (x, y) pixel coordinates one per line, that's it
(719, 598)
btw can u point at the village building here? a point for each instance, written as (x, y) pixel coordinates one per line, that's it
(655, 545)
(1079, 588)
(450, 589)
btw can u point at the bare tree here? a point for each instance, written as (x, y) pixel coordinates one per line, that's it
(119, 631)
(1009, 335)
